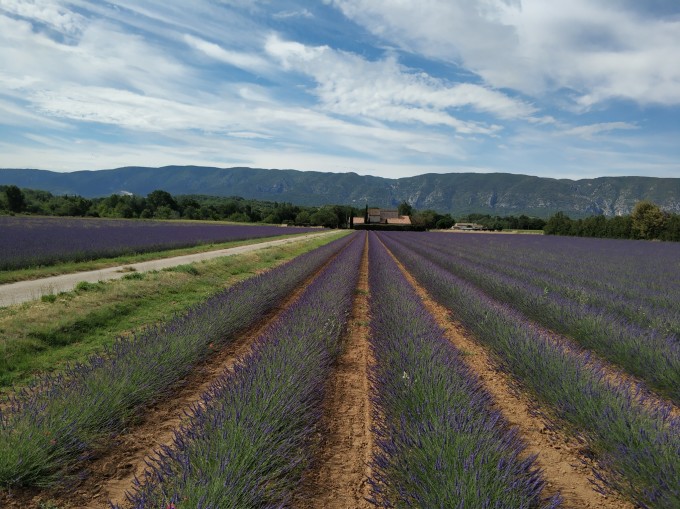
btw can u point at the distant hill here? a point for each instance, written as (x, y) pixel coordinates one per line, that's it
(456, 193)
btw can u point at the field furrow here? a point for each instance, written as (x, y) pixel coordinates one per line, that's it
(50, 431)
(382, 369)
(561, 459)
(635, 448)
(113, 473)
(340, 470)
(615, 374)
(251, 439)
(650, 352)
(441, 443)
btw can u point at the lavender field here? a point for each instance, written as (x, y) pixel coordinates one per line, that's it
(513, 292)
(586, 330)
(31, 241)
(616, 298)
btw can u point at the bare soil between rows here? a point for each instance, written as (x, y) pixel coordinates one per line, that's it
(565, 462)
(112, 472)
(338, 478)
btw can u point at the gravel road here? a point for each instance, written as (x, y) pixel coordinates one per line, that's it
(23, 291)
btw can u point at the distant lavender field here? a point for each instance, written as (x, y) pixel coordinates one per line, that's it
(30, 241)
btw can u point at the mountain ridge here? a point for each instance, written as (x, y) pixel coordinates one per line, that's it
(455, 193)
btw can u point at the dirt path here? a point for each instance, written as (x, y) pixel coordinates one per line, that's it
(339, 479)
(112, 473)
(565, 466)
(23, 291)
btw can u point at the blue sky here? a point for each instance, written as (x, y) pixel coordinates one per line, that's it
(554, 88)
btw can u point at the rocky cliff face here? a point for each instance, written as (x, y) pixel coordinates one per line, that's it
(504, 194)
(456, 193)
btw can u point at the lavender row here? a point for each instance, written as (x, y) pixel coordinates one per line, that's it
(251, 438)
(637, 281)
(52, 427)
(439, 444)
(644, 352)
(638, 450)
(29, 242)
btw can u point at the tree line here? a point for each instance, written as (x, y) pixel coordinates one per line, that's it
(160, 204)
(431, 219)
(646, 221)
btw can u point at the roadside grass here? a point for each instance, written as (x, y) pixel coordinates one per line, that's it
(12, 276)
(67, 328)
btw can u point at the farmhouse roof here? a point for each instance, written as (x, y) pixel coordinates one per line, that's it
(399, 220)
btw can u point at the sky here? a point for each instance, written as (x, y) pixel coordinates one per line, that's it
(393, 88)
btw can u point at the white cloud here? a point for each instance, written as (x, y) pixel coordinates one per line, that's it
(248, 61)
(100, 84)
(110, 77)
(15, 115)
(598, 50)
(69, 154)
(248, 135)
(46, 12)
(127, 109)
(232, 117)
(303, 13)
(351, 85)
(102, 55)
(588, 131)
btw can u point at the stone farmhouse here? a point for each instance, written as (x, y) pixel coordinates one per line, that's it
(382, 216)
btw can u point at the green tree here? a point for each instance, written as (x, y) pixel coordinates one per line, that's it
(303, 218)
(619, 227)
(165, 212)
(672, 228)
(648, 220)
(405, 209)
(157, 199)
(594, 226)
(272, 218)
(124, 209)
(16, 202)
(426, 218)
(559, 224)
(325, 216)
(239, 217)
(445, 222)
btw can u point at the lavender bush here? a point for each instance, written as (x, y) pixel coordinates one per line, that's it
(49, 429)
(638, 449)
(29, 241)
(439, 442)
(636, 280)
(249, 441)
(650, 350)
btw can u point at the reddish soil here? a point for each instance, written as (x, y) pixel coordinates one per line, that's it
(338, 479)
(564, 461)
(112, 473)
